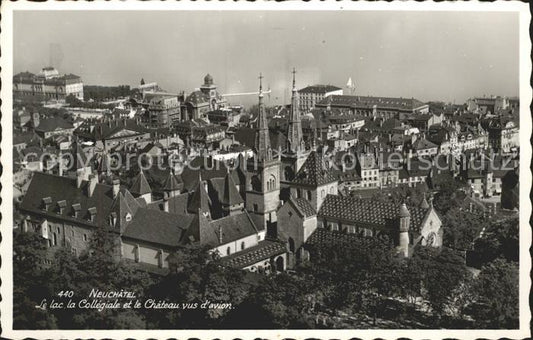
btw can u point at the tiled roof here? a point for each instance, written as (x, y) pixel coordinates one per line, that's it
(264, 250)
(172, 183)
(200, 200)
(158, 227)
(322, 237)
(368, 212)
(176, 204)
(319, 89)
(305, 207)
(314, 172)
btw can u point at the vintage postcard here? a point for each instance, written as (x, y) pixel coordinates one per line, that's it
(265, 170)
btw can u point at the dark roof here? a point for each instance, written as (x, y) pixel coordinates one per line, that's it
(368, 212)
(264, 250)
(231, 195)
(172, 183)
(53, 124)
(322, 237)
(158, 227)
(319, 89)
(105, 130)
(176, 204)
(422, 144)
(62, 188)
(200, 199)
(407, 104)
(140, 185)
(233, 227)
(314, 172)
(304, 206)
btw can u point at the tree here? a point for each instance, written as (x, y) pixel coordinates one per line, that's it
(442, 272)
(497, 296)
(30, 278)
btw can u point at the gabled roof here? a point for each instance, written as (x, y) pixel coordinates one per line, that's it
(58, 188)
(233, 227)
(158, 227)
(368, 212)
(53, 124)
(140, 185)
(423, 144)
(314, 172)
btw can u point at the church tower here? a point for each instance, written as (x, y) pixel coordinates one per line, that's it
(295, 143)
(295, 153)
(263, 182)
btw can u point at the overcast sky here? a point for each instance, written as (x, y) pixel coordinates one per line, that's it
(427, 55)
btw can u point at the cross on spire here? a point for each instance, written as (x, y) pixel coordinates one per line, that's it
(260, 82)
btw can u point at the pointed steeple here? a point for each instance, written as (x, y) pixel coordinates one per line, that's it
(200, 200)
(262, 139)
(424, 204)
(140, 185)
(295, 134)
(172, 185)
(231, 199)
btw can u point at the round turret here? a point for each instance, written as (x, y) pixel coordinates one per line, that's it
(404, 212)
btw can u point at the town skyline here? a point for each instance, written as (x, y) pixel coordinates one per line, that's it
(387, 61)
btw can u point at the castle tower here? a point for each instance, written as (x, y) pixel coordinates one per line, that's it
(403, 235)
(263, 182)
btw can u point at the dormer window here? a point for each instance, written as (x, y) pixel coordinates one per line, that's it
(92, 214)
(47, 201)
(61, 205)
(76, 210)
(128, 217)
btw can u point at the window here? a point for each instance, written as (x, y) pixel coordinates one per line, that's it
(243, 245)
(228, 251)
(85, 237)
(309, 195)
(256, 208)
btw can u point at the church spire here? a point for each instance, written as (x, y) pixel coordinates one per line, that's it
(262, 139)
(295, 134)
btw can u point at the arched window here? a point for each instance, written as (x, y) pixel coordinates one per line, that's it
(309, 195)
(323, 193)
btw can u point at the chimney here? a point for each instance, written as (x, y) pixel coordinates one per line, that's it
(92, 185)
(79, 177)
(116, 187)
(165, 202)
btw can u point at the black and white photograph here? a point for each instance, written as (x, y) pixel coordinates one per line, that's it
(270, 170)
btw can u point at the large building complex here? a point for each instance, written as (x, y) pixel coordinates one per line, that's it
(47, 85)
